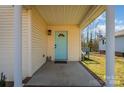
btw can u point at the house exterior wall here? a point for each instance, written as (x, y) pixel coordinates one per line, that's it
(74, 45)
(101, 46)
(7, 39)
(39, 40)
(119, 46)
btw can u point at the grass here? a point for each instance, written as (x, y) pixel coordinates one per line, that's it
(97, 65)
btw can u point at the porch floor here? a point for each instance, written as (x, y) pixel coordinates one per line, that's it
(57, 74)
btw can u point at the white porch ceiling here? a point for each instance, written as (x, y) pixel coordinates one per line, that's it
(64, 14)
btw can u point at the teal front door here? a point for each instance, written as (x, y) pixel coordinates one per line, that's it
(61, 46)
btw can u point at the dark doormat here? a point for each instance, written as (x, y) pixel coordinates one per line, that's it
(61, 62)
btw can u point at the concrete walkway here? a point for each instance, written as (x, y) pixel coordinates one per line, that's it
(70, 74)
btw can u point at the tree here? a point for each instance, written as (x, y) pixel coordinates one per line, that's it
(90, 45)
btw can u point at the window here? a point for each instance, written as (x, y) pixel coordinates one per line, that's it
(103, 42)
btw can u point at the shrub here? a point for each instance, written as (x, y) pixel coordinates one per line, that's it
(2, 80)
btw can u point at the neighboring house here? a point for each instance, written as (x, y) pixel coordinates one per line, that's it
(119, 43)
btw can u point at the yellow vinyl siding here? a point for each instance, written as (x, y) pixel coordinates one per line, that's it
(73, 41)
(7, 39)
(39, 40)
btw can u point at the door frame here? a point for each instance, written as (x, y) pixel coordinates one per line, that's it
(66, 45)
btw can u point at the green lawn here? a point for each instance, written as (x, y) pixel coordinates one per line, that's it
(97, 65)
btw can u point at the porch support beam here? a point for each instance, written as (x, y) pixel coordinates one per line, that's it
(18, 46)
(110, 45)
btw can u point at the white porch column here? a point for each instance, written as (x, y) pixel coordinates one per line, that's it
(18, 46)
(110, 45)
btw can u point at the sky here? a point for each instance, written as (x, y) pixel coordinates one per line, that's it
(99, 24)
(119, 17)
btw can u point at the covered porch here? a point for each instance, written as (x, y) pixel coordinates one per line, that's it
(71, 74)
(62, 18)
